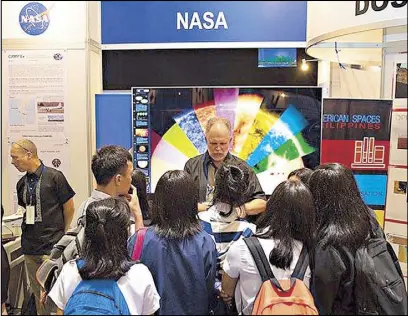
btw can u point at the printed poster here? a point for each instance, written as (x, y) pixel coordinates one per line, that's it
(36, 94)
(356, 133)
(397, 194)
(401, 75)
(399, 138)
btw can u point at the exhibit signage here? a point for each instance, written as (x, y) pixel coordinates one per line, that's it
(356, 133)
(141, 22)
(347, 17)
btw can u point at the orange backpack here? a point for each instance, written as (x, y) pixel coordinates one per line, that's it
(285, 297)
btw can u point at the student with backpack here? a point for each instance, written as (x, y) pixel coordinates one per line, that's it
(269, 273)
(112, 168)
(180, 255)
(104, 280)
(355, 270)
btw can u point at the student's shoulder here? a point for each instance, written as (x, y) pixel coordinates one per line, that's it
(70, 268)
(140, 272)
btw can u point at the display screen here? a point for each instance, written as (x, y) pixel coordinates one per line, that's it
(275, 130)
(277, 57)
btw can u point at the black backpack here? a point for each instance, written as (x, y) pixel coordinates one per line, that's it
(379, 283)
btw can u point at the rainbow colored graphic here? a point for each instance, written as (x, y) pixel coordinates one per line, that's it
(271, 143)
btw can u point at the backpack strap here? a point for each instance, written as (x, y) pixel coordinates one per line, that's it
(301, 266)
(137, 250)
(264, 268)
(262, 263)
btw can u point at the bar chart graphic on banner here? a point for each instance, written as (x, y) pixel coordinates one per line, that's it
(368, 155)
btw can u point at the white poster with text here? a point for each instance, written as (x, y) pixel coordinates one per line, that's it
(36, 94)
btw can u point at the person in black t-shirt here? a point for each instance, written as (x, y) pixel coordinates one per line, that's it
(47, 199)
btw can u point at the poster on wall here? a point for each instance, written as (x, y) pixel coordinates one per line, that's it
(356, 133)
(401, 81)
(275, 130)
(399, 138)
(36, 94)
(397, 194)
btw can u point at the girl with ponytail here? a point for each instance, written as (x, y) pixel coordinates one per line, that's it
(104, 256)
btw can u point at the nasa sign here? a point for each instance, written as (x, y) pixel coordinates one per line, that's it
(34, 18)
(196, 24)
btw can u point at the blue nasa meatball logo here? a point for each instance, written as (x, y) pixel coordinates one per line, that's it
(34, 18)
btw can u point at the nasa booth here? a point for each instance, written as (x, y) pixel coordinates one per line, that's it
(190, 61)
(147, 75)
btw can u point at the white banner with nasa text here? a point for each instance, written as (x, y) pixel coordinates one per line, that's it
(35, 84)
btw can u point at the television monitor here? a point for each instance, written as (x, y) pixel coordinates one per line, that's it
(277, 57)
(275, 130)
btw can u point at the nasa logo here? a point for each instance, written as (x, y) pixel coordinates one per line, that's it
(34, 19)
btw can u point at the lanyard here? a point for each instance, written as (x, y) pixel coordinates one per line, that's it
(31, 190)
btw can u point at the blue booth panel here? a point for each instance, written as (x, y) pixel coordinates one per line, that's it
(113, 116)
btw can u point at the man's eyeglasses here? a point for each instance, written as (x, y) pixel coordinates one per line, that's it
(27, 150)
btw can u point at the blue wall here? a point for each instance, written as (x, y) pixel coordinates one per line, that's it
(113, 115)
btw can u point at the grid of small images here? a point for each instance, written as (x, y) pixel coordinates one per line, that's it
(141, 135)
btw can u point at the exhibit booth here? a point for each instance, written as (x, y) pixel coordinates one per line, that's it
(147, 75)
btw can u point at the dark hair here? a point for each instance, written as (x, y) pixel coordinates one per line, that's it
(231, 184)
(342, 217)
(139, 181)
(289, 216)
(302, 173)
(105, 245)
(108, 161)
(174, 209)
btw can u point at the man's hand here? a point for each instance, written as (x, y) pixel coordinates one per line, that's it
(202, 207)
(241, 211)
(134, 205)
(225, 297)
(43, 297)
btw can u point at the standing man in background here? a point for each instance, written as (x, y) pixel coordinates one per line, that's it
(47, 198)
(203, 167)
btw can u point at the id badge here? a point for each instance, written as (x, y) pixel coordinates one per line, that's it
(30, 210)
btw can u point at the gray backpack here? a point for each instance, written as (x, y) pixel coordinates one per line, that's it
(379, 283)
(67, 248)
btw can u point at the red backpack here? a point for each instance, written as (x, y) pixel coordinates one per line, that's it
(284, 297)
